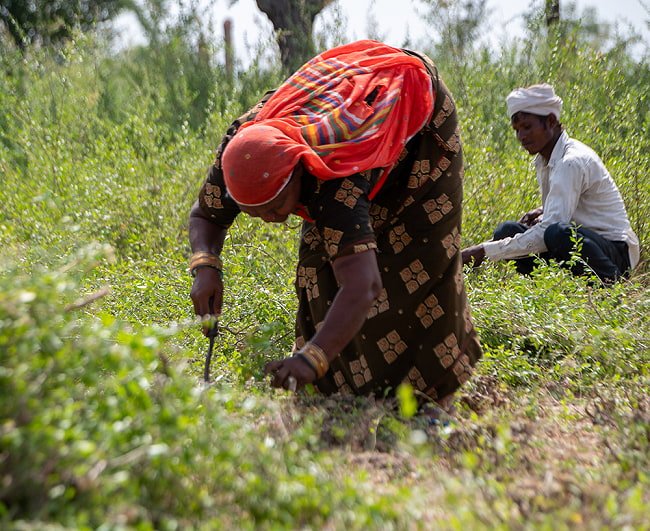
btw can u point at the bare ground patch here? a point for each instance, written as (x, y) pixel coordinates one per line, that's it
(521, 459)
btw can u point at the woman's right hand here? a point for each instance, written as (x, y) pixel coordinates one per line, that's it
(207, 294)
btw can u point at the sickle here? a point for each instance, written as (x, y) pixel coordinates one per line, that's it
(214, 331)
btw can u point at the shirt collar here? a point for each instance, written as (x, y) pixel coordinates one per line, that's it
(556, 154)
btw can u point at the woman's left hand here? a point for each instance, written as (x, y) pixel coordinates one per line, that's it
(292, 367)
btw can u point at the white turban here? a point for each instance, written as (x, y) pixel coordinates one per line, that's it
(536, 99)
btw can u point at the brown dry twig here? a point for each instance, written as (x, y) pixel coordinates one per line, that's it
(89, 299)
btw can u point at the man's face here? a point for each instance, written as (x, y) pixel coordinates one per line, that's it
(534, 132)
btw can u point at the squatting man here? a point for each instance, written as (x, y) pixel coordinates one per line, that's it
(581, 204)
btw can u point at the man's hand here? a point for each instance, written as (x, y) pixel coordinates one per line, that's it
(532, 217)
(473, 256)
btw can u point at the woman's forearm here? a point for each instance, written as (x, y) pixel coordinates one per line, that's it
(360, 285)
(204, 235)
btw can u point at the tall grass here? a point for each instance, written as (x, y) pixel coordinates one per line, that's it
(104, 424)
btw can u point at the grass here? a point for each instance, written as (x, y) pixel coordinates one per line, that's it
(104, 422)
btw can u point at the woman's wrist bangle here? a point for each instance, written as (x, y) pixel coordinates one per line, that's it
(193, 270)
(202, 259)
(316, 357)
(308, 361)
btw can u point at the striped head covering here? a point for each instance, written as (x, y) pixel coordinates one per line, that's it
(350, 109)
(536, 99)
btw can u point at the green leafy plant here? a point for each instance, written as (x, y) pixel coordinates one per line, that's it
(104, 420)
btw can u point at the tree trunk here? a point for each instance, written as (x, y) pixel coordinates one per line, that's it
(552, 12)
(230, 50)
(293, 22)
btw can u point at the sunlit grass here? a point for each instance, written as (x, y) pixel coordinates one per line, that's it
(104, 418)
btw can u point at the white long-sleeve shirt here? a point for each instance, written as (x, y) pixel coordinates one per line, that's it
(576, 187)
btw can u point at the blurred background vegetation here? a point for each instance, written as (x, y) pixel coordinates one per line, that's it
(102, 420)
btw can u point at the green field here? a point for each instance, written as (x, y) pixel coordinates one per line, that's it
(104, 421)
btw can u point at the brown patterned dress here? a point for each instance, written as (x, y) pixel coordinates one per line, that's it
(420, 329)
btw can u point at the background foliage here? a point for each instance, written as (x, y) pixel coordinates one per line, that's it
(104, 422)
(52, 21)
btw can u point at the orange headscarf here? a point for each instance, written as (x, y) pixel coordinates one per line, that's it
(350, 109)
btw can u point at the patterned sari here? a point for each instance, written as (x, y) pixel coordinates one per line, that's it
(420, 329)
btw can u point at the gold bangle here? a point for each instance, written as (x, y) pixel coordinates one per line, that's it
(203, 256)
(317, 357)
(206, 262)
(205, 259)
